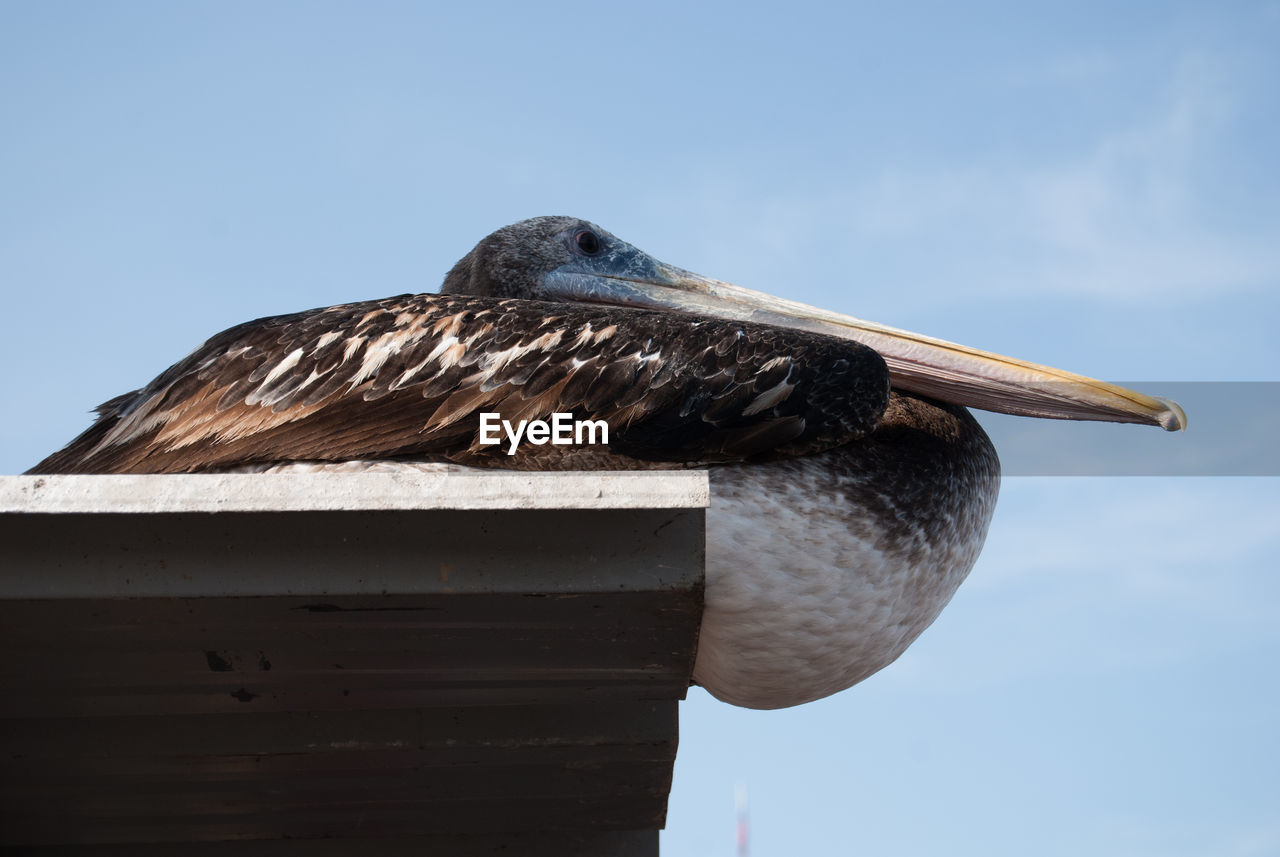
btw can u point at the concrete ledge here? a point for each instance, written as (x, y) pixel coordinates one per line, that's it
(452, 663)
(320, 492)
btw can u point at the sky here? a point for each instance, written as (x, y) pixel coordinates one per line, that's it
(1088, 185)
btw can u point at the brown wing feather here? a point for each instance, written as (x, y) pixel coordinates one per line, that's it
(408, 377)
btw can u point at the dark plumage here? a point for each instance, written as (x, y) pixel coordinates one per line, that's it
(408, 377)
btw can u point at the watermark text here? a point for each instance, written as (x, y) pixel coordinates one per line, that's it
(562, 430)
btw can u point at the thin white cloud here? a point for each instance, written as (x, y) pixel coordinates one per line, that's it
(1124, 219)
(1128, 217)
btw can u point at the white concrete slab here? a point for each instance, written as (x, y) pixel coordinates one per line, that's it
(307, 492)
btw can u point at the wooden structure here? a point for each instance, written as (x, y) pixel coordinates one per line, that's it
(386, 664)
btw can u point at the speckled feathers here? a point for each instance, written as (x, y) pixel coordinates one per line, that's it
(408, 377)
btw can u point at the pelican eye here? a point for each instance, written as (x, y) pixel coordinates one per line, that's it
(588, 242)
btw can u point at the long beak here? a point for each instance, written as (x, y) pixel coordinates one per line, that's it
(917, 364)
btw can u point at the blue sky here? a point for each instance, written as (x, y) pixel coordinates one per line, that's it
(1089, 185)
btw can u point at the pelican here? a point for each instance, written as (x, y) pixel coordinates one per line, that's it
(851, 488)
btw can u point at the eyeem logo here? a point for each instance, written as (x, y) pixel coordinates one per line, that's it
(561, 431)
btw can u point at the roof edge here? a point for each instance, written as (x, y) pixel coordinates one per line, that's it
(319, 492)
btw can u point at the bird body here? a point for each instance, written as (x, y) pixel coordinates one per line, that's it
(850, 494)
(822, 570)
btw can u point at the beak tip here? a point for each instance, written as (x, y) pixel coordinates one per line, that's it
(1173, 417)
